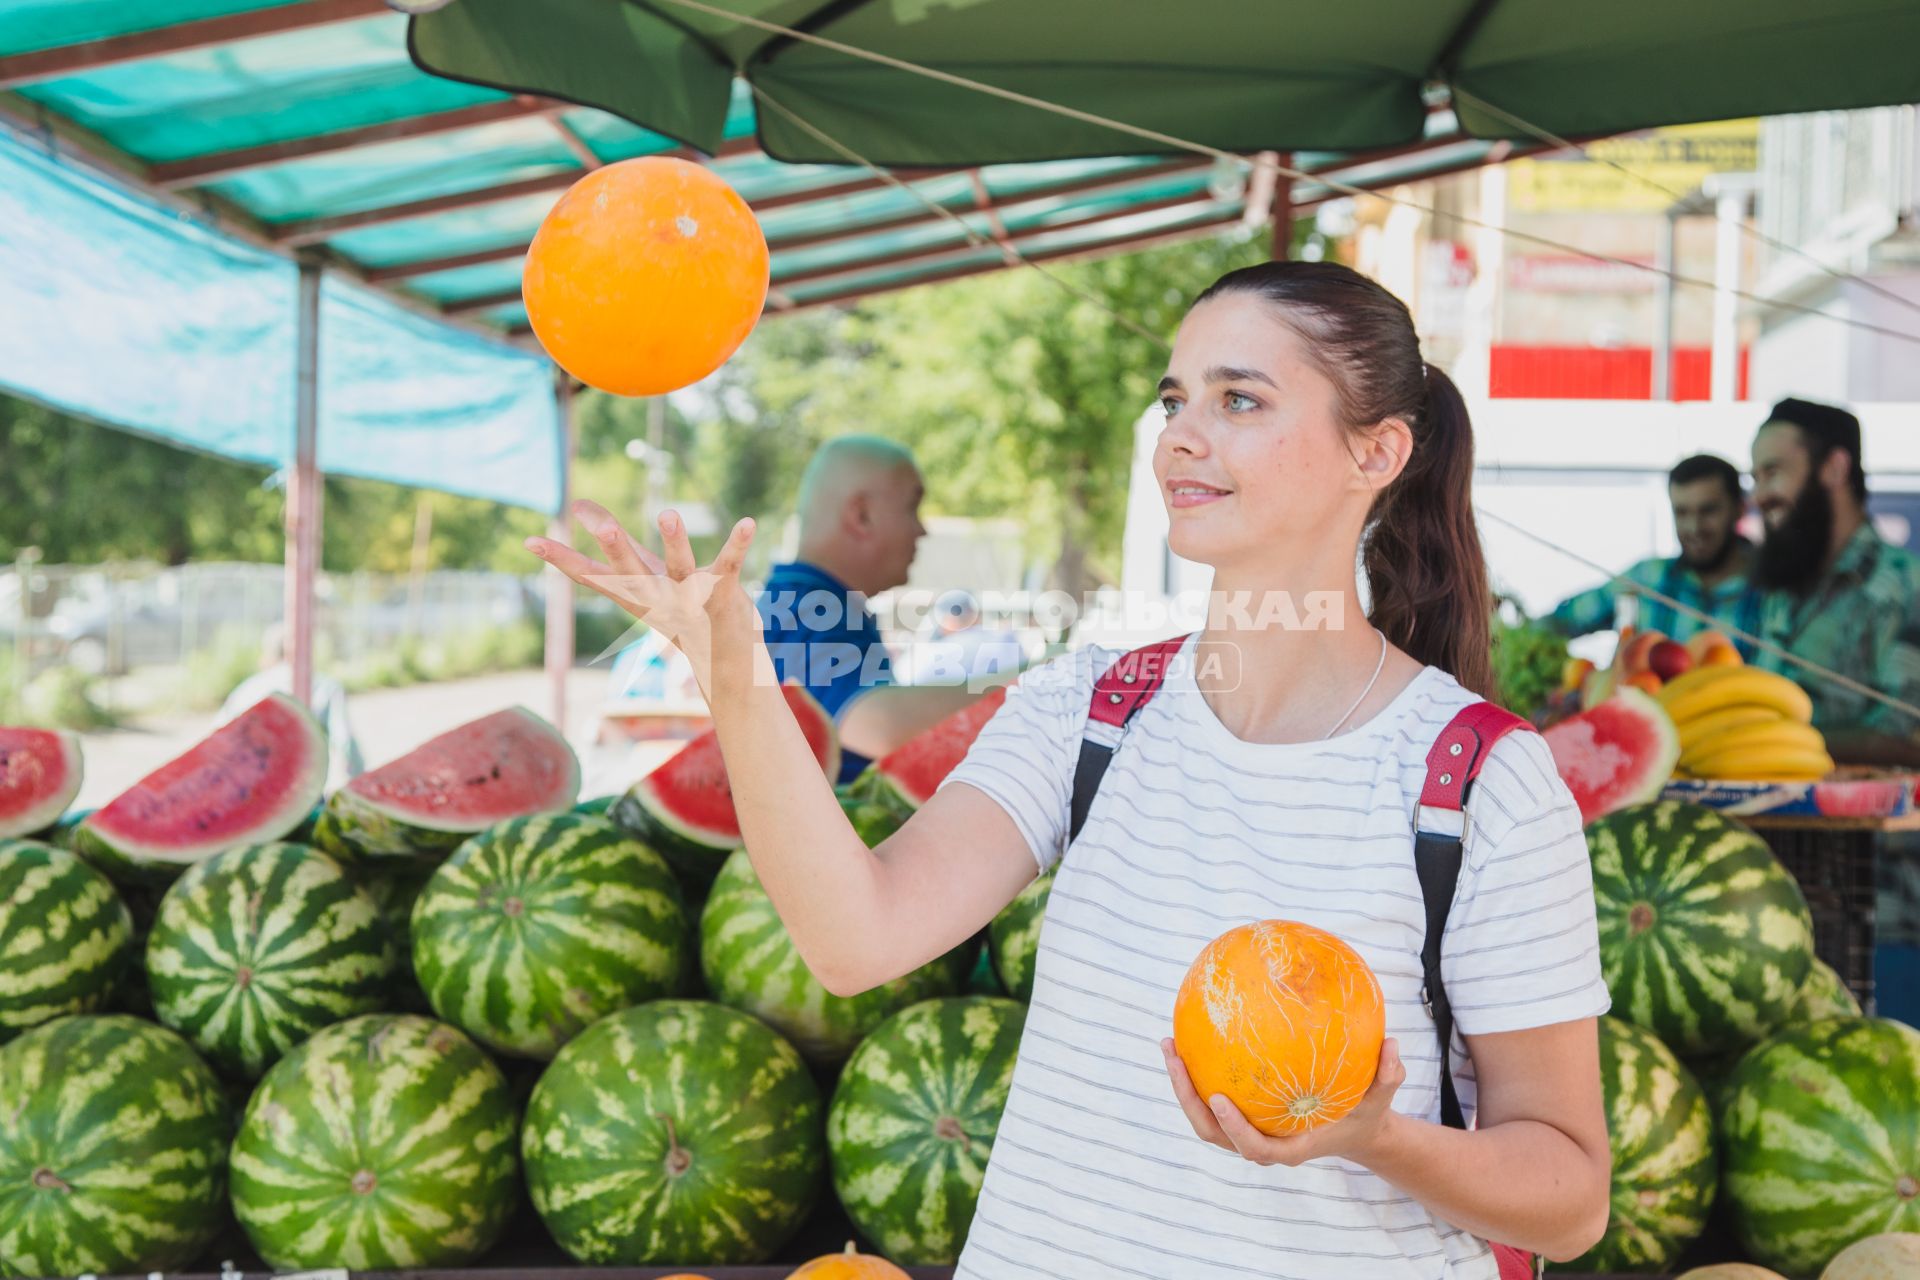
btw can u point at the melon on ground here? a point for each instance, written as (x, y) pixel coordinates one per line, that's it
(381, 1143)
(1617, 753)
(40, 773)
(751, 963)
(65, 937)
(674, 1132)
(511, 764)
(1821, 1134)
(1893, 1255)
(913, 1121)
(890, 789)
(684, 808)
(255, 950)
(1705, 939)
(113, 1149)
(539, 927)
(251, 781)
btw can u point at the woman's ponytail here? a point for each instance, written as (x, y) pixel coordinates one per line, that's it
(1422, 554)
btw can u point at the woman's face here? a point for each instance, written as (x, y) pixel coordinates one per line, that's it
(1254, 458)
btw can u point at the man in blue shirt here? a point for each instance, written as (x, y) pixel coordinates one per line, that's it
(859, 510)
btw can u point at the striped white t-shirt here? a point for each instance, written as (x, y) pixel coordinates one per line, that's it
(1095, 1171)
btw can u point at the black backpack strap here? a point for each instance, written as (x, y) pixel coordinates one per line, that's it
(1438, 844)
(1118, 696)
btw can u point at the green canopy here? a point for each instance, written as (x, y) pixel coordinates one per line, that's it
(1241, 75)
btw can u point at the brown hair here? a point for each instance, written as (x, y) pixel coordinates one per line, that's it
(1421, 549)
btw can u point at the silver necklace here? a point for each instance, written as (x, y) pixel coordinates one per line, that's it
(1378, 667)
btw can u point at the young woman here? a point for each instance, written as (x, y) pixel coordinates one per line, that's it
(1304, 432)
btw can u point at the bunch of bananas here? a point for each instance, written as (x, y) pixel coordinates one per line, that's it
(1744, 723)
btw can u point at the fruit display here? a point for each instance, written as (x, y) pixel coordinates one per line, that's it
(1822, 1135)
(65, 936)
(849, 1264)
(750, 963)
(1665, 1171)
(1649, 661)
(677, 1132)
(382, 1142)
(889, 790)
(1747, 724)
(1284, 1019)
(1013, 939)
(1619, 752)
(422, 806)
(1823, 995)
(913, 1119)
(40, 772)
(255, 950)
(540, 926)
(1705, 939)
(684, 808)
(113, 1149)
(252, 781)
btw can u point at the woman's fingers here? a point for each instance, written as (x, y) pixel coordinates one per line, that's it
(582, 569)
(673, 540)
(1247, 1140)
(1196, 1111)
(623, 553)
(734, 553)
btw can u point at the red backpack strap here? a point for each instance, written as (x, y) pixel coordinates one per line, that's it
(1128, 685)
(1456, 759)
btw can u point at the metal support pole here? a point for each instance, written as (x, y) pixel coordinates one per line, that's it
(303, 488)
(1730, 211)
(1283, 212)
(559, 586)
(1663, 258)
(656, 464)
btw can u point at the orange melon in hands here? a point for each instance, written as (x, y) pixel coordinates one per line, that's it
(646, 276)
(1284, 1019)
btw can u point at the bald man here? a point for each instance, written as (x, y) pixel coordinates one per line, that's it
(859, 525)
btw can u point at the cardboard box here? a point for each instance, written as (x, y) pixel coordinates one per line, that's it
(1848, 793)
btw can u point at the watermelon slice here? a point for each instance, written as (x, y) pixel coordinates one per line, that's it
(39, 777)
(684, 808)
(892, 787)
(511, 764)
(1620, 752)
(252, 781)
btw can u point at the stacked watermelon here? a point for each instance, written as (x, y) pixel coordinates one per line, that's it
(40, 772)
(65, 936)
(892, 788)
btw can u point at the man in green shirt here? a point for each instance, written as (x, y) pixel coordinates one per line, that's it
(1710, 573)
(1834, 592)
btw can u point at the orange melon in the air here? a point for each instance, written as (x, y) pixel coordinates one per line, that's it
(646, 276)
(848, 1266)
(1284, 1019)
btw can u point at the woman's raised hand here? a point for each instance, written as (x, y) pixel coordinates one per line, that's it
(704, 612)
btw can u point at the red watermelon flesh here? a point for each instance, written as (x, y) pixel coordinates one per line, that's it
(688, 798)
(252, 780)
(507, 765)
(916, 768)
(39, 777)
(1620, 752)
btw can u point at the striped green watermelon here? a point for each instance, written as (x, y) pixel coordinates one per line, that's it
(113, 1149)
(425, 804)
(892, 788)
(913, 1120)
(1664, 1168)
(1013, 938)
(676, 1132)
(750, 962)
(1705, 939)
(256, 949)
(65, 936)
(684, 808)
(1823, 995)
(384, 1141)
(598, 807)
(252, 780)
(395, 885)
(1821, 1133)
(540, 926)
(40, 772)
